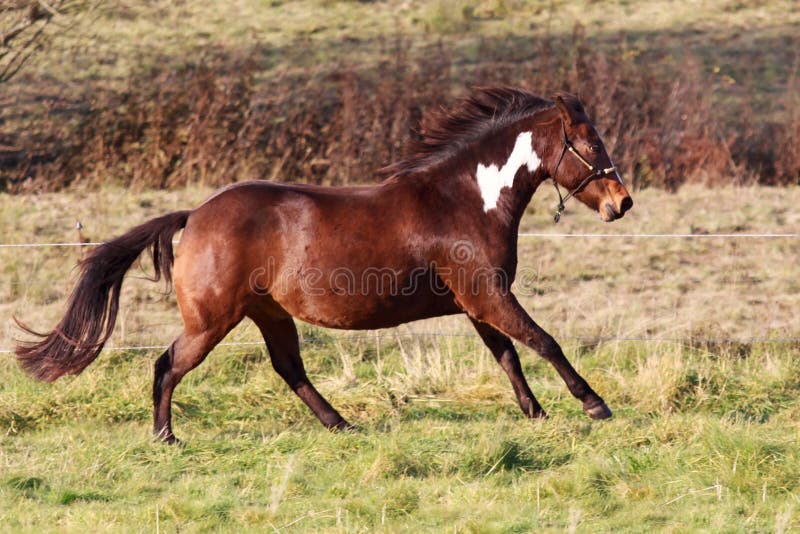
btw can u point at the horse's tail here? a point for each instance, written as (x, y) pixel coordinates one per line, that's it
(92, 308)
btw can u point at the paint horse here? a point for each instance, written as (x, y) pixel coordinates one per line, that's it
(439, 232)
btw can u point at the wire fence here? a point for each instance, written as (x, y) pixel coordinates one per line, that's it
(419, 335)
(581, 340)
(521, 234)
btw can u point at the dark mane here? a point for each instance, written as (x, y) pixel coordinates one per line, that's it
(446, 133)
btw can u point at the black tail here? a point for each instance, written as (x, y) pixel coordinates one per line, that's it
(92, 308)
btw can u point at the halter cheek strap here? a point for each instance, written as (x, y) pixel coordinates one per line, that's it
(595, 172)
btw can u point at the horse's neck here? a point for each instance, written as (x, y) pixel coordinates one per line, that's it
(510, 172)
(495, 178)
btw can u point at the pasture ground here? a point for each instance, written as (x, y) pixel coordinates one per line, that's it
(732, 35)
(704, 438)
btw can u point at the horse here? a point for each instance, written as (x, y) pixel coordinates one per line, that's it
(439, 229)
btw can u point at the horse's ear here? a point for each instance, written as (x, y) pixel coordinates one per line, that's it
(564, 110)
(570, 109)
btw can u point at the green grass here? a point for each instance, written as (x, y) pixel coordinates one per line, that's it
(704, 436)
(155, 30)
(719, 453)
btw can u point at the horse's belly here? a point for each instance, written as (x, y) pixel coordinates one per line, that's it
(365, 311)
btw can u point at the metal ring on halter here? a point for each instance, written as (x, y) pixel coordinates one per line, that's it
(595, 173)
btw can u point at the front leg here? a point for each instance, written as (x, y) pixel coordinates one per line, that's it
(502, 311)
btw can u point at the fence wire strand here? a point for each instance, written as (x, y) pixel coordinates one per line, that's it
(582, 340)
(394, 336)
(521, 234)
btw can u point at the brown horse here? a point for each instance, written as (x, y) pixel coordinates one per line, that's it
(438, 236)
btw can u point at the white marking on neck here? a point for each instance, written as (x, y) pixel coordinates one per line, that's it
(491, 179)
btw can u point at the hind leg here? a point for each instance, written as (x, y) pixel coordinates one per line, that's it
(185, 353)
(280, 336)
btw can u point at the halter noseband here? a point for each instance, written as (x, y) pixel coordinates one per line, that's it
(595, 172)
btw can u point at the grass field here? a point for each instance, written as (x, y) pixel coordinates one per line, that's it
(704, 438)
(693, 342)
(127, 35)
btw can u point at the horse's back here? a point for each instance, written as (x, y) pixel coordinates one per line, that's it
(260, 189)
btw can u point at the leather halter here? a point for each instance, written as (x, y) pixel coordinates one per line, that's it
(595, 172)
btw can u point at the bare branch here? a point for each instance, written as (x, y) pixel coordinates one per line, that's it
(23, 24)
(50, 9)
(21, 56)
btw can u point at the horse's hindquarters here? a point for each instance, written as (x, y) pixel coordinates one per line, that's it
(332, 260)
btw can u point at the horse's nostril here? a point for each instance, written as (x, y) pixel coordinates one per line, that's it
(627, 203)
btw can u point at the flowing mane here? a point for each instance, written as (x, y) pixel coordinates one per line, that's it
(446, 133)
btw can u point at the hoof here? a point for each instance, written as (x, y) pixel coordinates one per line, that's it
(165, 436)
(533, 410)
(537, 414)
(343, 426)
(598, 411)
(541, 415)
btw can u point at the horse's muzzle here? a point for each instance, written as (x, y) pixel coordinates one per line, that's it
(609, 212)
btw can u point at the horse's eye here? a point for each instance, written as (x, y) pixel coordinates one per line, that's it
(594, 148)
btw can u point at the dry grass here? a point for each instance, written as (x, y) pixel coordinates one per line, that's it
(704, 436)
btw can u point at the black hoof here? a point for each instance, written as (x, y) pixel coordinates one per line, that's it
(342, 426)
(598, 410)
(533, 410)
(165, 436)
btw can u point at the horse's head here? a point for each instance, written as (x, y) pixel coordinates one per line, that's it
(583, 167)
